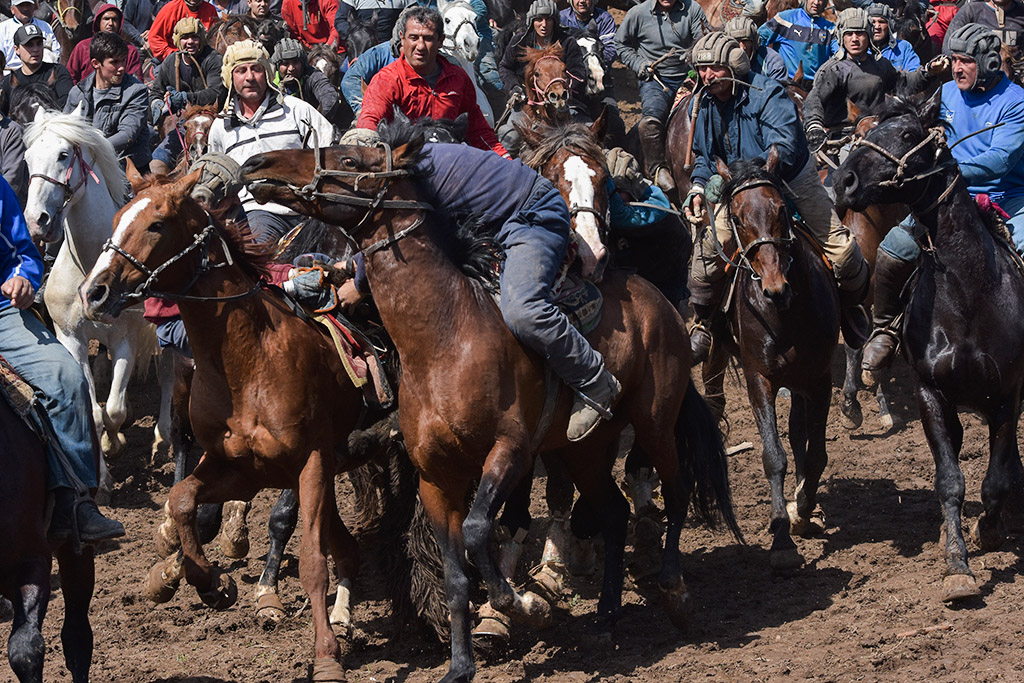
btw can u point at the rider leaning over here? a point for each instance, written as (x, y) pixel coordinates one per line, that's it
(991, 163)
(743, 119)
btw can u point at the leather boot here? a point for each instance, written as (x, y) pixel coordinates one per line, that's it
(853, 317)
(652, 140)
(891, 277)
(593, 403)
(70, 511)
(705, 297)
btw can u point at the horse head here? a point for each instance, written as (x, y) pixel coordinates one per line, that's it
(460, 33)
(547, 82)
(270, 32)
(894, 156)
(362, 35)
(571, 157)
(155, 245)
(198, 121)
(590, 44)
(761, 222)
(325, 60)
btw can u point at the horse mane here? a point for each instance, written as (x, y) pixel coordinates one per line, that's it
(575, 137)
(747, 170)
(196, 109)
(532, 55)
(399, 131)
(78, 131)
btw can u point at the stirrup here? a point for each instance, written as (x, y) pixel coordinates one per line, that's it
(703, 352)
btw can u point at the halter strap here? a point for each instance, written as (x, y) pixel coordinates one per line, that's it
(742, 257)
(69, 192)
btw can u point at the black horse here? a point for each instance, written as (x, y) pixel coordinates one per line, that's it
(963, 331)
(26, 559)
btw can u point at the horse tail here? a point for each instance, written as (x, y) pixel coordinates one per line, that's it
(703, 461)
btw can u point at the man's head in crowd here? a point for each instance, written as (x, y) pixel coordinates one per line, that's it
(189, 35)
(974, 51)
(28, 43)
(193, 4)
(245, 71)
(23, 10)
(259, 9)
(666, 5)
(542, 18)
(583, 9)
(110, 21)
(814, 7)
(854, 27)
(881, 23)
(421, 39)
(107, 53)
(744, 31)
(289, 59)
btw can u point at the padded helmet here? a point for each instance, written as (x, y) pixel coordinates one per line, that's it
(541, 9)
(187, 26)
(882, 11)
(288, 48)
(221, 178)
(851, 20)
(718, 49)
(743, 28)
(982, 45)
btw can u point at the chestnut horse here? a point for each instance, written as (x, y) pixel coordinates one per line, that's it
(547, 85)
(271, 403)
(473, 399)
(784, 313)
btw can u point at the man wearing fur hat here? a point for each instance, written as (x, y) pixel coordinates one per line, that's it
(294, 76)
(744, 119)
(257, 118)
(190, 75)
(161, 33)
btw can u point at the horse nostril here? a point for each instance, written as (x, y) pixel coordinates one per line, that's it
(44, 220)
(97, 294)
(849, 181)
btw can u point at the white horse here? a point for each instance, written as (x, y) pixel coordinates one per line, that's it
(591, 48)
(462, 44)
(76, 186)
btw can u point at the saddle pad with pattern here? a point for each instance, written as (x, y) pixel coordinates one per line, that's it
(362, 365)
(19, 393)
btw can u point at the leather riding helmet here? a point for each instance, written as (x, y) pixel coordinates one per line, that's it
(541, 9)
(851, 20)
(980, 44)
(221, 178)
(882, 11)
(743, 28)
(187, 26)
(244, 52)
(288, 48)
(718, 49)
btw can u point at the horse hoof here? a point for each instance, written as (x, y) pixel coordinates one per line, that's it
(165, 536)
(548, 581)
(269, 610)
(223, 592)
(959, 587)
(234, 534)
(112, 447)
(805, 527)
(869, 378)
(853, 416)
(491, 636)
(885, 419)
(163, 580)
(679, 605)
(987, 541)
(533, 611)
(646, 548)
(789, 558)
(328, 670)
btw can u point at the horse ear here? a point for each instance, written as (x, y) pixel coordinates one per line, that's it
(722, 169)
(405, 155)
(186, 183)
(772, 164)
(135, 178)
(853, 112)
(531, 137)
(79, 110)
(461, 125)
(40, 113)
(929, 111)
(599, 126)
(799, 75)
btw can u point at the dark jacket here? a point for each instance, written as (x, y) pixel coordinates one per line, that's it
(318, 91)
(746, 127)
(512, 67)
(12, 157)
(138, 17)
(121, 112)
(178, 72)
(53, 75)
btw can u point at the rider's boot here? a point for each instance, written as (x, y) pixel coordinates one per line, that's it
(652, 140)
(891, 276)
(71, 511)
(853, 316)
(592, 404)
(705, 298)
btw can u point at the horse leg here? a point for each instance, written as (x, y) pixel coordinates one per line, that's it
(884, 411)
(234, 530)
(444, 509)
(316, 502)
(784, 554)
(945, 434)
(807, 420)
(77, 579)
(713, 377)
(112, 441)
(284, 516)
(345, 551)
(26, 649)
(1002, 476)
(850, 407)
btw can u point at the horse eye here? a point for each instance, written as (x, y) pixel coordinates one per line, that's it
(156, 226)
(62, 156)
(348, 161)
(908, 136)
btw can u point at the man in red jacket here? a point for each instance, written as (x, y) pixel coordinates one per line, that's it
(423, 84)
(108, 20)
(317, 26)
(161, 32)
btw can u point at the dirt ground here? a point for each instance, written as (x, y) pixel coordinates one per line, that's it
(872, 578)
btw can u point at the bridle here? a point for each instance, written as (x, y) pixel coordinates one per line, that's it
(59, 18)
(602, 219)
(543, 92)
(743, 253)
(449, 38)
(77, 160)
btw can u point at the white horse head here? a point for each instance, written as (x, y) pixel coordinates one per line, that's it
(460, 29)
(591, 48)
(65, 156)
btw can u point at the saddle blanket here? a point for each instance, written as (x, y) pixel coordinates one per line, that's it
(18, 392)
(362, 365)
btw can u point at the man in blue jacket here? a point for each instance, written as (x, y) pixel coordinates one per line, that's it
(801, 36)
(763, 59)
(59, 384)
(899, 52)
(991, 163)
(745, 120)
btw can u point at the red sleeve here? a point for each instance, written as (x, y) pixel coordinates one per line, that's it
(132, 65)
(161, 30)
(479, 133)
(293, 18)
(380, 95)
(207, 15)
(79, 58)
(329, 8)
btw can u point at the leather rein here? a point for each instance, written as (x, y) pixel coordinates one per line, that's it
(77, 160)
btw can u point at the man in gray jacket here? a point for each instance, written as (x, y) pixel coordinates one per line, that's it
(654, 41)
(116, 102)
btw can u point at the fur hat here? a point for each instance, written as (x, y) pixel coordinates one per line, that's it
(244, 52)
(361, 137)
(540, 9)
(718, 49)
(187, 26)
(981, 44)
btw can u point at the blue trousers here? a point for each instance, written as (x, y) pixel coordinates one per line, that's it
(901, 244)
(535, 240)
(654, 101)
(171, 335)
(270, 227)
(169, 149)
(60, 388)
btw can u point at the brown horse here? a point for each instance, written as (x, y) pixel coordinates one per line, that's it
(68, 21)
(196, 120)
(473, 398)
(231, 30)
(784, 313)
(547, 86)
(275, 419)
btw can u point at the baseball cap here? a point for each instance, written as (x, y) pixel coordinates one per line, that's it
(27, 33)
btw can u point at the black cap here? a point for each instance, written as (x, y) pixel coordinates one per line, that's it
(26, 33)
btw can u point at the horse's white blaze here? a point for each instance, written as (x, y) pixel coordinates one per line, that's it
(581, 194)
(203, 120)
(595, 72)
(127, 218)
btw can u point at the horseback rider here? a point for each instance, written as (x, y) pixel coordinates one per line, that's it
(763, 59)
(859, 74)
(991, 163)
(161, 33)
(59, 384)
(294, 76)
(542, 30)
(108, 20)
(28, 44)
(23, 12)
(1004, 17)
(802, 36)
(899, 52)
(654, 40)
(257, 118)
(531, 222)
(742, 116)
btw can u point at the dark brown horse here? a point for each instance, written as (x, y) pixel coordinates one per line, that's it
(784, 317)
(26, 559)
(963, 330)
(231, 30)
(472, 398)
(275, 419)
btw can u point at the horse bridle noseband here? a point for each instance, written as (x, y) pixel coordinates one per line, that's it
(542, 92)
(743, 252)
(69, 192)
(449, 40)
(602, 220)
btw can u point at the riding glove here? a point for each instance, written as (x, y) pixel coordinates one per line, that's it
(713, 190)
(816, 136)
(177, 100)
